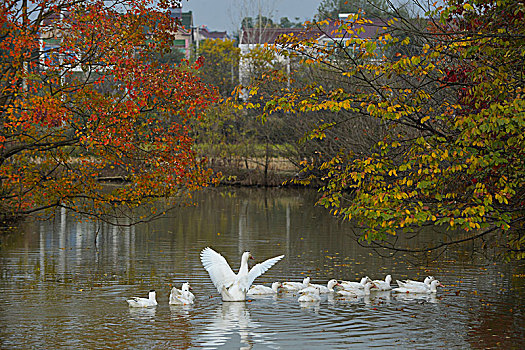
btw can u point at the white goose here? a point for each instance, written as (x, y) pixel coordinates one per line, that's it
(143, 302)
(182, 296)
(296, 286)
(355, 293)
(419, 289)
(233, 287)
(309, 295)
(407, 283)
(262, 290)
(383, 285)
(349, 285)
(326, 289)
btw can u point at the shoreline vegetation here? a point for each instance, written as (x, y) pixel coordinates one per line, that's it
(275, 172)
(403, 118)
(249, 172)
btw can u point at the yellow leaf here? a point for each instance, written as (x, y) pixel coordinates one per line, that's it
(468, 7)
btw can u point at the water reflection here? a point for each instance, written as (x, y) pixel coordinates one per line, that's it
(143, 314)
(182, 310)
(53, 275)
(228, 319)
(66, 246)
(429, 298)
(380, 296)
(310, 305)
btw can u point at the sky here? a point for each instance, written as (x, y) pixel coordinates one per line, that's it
(224, 14)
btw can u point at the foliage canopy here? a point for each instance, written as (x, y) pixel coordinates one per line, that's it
(82, 99)
(221, 64)
(453, 106)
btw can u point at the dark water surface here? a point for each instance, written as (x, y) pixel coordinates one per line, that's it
(59, 290)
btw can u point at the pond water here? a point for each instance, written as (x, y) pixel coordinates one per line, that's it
(60, 289)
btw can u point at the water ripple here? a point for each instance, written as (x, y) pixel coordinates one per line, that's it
(59, 291)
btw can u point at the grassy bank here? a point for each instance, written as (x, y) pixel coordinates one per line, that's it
(253, 171)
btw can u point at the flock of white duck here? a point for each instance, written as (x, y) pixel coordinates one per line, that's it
(235, 287)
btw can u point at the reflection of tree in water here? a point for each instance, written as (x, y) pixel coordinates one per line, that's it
(230, 318)
(496, 325)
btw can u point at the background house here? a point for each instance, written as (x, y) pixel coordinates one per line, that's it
(184, 36)
(250, 38)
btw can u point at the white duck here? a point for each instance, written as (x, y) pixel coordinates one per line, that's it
(261, 290)
(182, 296)
(355, 293)
(349, 285)
(143, 302)
(383, 285)
(309, 295)
(296, 286)
(419, 289)
(233, 287)
(326, 289)
(407, 283)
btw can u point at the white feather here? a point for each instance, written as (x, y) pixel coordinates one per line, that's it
(233, 287)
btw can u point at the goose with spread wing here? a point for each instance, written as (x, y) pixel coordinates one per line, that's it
(233, 287)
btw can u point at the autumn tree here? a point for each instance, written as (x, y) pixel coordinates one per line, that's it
(258, 64)
(221, 64)
(453, 154)
(220, 131)
(82, 100)
(233, 138)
